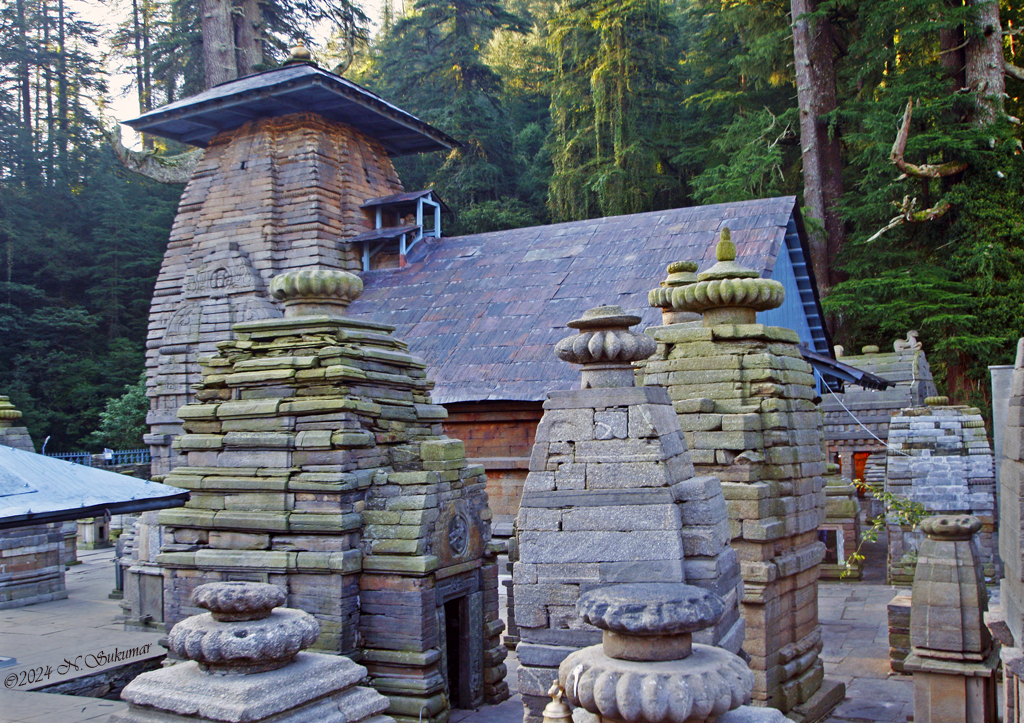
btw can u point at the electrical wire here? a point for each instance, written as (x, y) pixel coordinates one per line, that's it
(854, 417)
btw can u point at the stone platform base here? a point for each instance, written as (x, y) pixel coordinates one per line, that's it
(820, 706)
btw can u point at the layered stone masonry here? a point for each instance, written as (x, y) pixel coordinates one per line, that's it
(317, 463)
(872, 409)
(939, 456)
(270, 196)
(952, 657)
(744, 398)
(611, 497)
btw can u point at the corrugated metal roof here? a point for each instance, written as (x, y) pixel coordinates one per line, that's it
(485, 311)
(35, 488)
(295, 88)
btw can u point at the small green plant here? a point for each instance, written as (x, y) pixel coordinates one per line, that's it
(898, 509)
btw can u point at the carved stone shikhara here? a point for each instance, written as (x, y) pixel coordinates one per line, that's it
(744, 397)
(611, 497)
(317, 462)
(952, 656)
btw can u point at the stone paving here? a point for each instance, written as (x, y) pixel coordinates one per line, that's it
(852, 615)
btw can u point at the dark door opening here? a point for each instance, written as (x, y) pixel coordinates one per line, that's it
(456, 649)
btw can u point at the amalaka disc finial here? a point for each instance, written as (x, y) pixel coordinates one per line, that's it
(605, 347)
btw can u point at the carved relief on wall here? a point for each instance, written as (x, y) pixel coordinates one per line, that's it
(457, 534)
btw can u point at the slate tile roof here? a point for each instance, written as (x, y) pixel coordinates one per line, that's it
(485, 311)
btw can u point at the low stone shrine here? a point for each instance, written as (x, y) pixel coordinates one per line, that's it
(745, 399)
(939, 456)
(857, 419)
(611, 497)
(840, 532)
(647, 668)
(952, 656)
(317, 463)
(245, 662)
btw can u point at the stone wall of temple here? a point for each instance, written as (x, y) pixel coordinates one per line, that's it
(273, 195)
(940, 457)
(1011, 537)
(31, 565)
(317, 463)
(745, 400)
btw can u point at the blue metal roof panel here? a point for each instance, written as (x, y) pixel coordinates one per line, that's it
(35, 488)
(296, 88)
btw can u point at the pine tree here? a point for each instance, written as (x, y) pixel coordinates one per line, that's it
(613, 100)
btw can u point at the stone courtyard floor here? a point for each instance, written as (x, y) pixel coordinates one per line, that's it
(852, 614)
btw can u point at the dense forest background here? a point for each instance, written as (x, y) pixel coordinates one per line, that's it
(895, 122)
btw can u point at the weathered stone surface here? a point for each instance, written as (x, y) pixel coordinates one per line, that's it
(340, 493)
(743, 396)
(939, 456)
(952, 657)
(606, 501)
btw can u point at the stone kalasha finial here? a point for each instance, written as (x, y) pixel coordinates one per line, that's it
(605, 347)
(728, 293)
(242, 633)
(950, 527)
(299, 54)
(316, 291)
(647, 670)
(680, 273)
(869, 349)
(7, 410)
(942, 401)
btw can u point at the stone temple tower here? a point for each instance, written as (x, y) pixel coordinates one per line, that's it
(745, 401)
(291, 156)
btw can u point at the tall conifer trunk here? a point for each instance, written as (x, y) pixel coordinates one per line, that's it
(984, 62)
(814, 54)
(218, 42)
(247, 36)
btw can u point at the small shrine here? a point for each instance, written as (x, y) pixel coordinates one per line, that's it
(612, 497)
(318, 464)
(939, 457)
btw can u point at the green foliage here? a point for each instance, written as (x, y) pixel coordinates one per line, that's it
(432, 64)
(897, 510)
(123, 420)
(612, 108)
(754, 161)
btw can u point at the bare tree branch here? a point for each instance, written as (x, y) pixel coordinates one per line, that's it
(165, 169)
(1012, 70)
(928, 170)
(908, 214)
